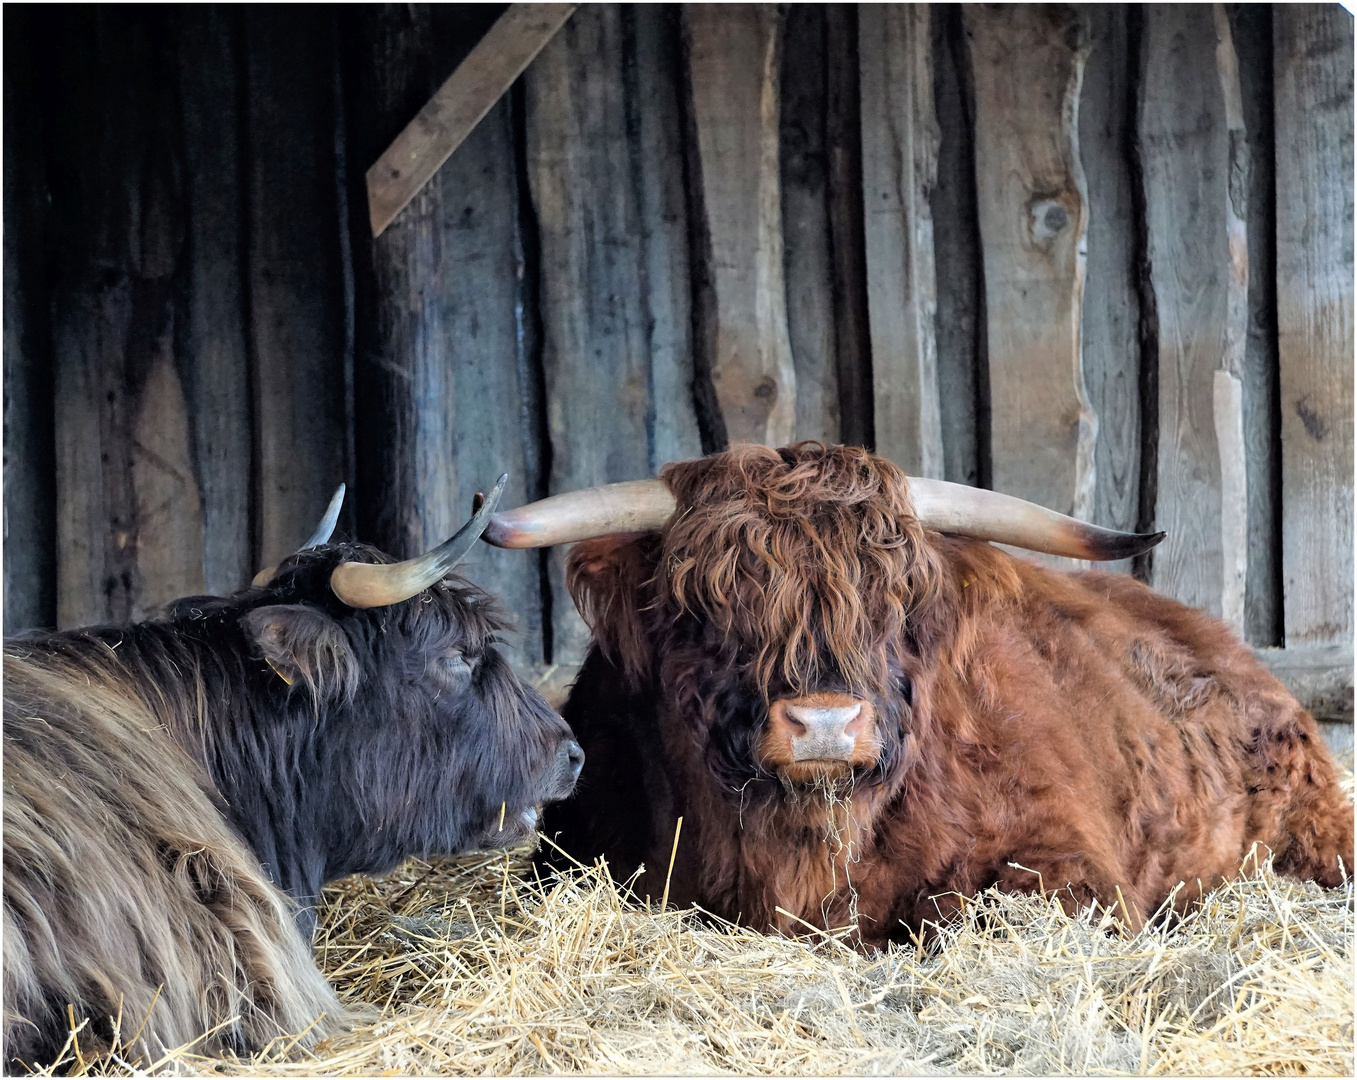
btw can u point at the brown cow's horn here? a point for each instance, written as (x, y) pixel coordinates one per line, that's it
(633, 506)
(320, 536)
(645, 505)
(368, 585)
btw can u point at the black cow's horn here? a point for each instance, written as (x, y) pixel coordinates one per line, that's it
(645, 505)
(320, 536)
(368, 585)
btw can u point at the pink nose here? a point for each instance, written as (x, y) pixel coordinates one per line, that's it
(831, 728)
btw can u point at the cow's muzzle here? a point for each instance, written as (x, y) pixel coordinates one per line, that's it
(818, 734)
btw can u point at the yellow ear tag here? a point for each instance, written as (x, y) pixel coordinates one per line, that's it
(277, 671)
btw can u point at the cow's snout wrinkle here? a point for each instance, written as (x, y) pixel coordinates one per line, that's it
(827, 736)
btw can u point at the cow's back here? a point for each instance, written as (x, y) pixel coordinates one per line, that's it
(126, 895)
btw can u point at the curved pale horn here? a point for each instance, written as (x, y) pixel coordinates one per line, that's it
(367, 585)
(320, 536)
(645, 505)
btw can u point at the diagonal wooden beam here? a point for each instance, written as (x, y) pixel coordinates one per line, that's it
(459, 105)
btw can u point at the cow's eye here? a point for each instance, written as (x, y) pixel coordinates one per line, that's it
(454, 665)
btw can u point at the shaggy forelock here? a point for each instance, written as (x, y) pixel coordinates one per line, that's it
(810, 557)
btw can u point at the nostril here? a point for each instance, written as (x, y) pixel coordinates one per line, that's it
(575, 757)
(795, 726)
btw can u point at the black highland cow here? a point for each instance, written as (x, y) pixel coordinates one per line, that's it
(178, 791)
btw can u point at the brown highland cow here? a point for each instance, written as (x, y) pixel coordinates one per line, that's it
(863, 711)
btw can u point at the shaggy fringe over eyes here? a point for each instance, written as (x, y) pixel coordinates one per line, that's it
(810, 556)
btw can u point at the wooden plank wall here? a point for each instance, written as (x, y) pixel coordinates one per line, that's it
(1098, 256)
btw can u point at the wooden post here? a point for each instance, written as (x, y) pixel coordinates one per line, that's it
(601, 139)
(443, 379)
(1027, 63)
(734, 54)
(1111, 306)
(1198, 268)
(899, 167)
(1313, 73)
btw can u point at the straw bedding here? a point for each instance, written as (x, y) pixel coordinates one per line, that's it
(478, 966)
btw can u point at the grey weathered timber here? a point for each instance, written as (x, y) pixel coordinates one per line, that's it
(129, 524)
(899, 167)
(211, 345)
(1313, 72)
(1111, 306)
(734, 54)
(848, 260)
(1196, 253)
(295, 277)
(440, 397)
(29, 449)
(458, 106)
(596, 212)
(805, 225)
(1320, 677)
(957, 326)
(1027, 63)
(1252, 32)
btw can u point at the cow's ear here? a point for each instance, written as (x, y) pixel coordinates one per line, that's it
(610, 582)
(306, 648)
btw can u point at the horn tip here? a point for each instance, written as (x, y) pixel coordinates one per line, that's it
(1106, 547)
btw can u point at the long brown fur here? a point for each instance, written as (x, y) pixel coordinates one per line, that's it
(1111, 743)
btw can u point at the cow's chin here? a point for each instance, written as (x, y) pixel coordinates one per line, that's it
(815, 773)
(518, 828)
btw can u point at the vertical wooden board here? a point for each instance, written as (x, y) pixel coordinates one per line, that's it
(210, 318)
(595, 312)
(439, 399)
(29, 448)
(957, 325)
(848, 259)
(1194, 248)
(1252, 32)
(129, 523)
(899, 168)
(1111, 303)
(1313, 64)
(1027, 63)
(734, 53)
(656, 147)
(805, 224)
(295, 280)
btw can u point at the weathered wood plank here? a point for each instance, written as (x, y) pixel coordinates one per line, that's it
(29, 445)
(606, 257)
(1197, 260)
(958, 324)
(1111, 304)
(805, 224)
(1320, 677)
(211, 347)
(295, 276)
(848, 265)
(1314, 110)
(129, 524)
(1027, 63)
(899, 167)
(734, 54)
(439, 396)
(1252, 32)
(458, 106)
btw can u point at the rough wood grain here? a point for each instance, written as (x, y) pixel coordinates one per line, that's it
(29, 447)
(958, 324)
(295, 277)
(1196, 257)
(805, 224)
(1251, 28)
(439, 397)
(899, 167)
(211, 345)
(733, 54)
(848, 267)
(453, 112)
(1027, 63)
(1314, 88)
(129, 524)
(1320, 677)
(605, 252)
(1111, 305)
